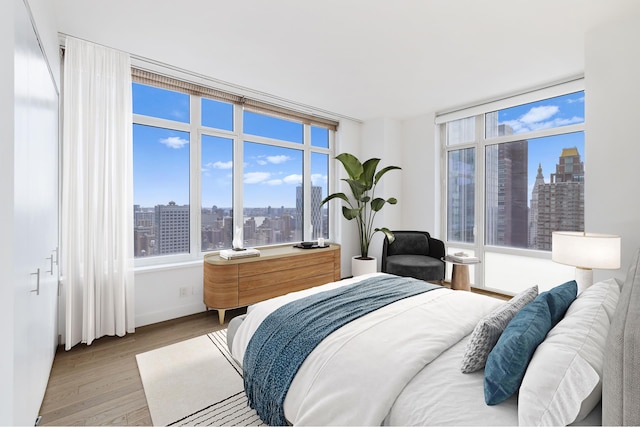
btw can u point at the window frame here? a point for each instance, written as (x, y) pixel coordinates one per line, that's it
(196, 131)
(479, 248)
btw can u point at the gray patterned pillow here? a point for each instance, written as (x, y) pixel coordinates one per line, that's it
(486, 333)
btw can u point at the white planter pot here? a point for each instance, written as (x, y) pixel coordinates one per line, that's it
(363, 266)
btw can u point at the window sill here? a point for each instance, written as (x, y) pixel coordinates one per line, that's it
(168, 266)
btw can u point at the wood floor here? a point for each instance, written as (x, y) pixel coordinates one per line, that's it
(100, 384)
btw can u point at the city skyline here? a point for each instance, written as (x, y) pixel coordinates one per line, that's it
(514, 174)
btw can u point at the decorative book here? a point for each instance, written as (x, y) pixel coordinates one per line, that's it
(462, 257)
(246, 253)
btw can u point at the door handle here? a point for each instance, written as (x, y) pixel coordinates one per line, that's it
(51, 260)
(37, 289)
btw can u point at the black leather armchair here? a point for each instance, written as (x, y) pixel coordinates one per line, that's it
(414, 254)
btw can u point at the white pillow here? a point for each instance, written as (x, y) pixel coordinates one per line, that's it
(563, 382)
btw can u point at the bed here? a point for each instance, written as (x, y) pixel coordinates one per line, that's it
(402, 363)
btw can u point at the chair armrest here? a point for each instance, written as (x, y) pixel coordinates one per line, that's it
(385, 246)
(436, 248)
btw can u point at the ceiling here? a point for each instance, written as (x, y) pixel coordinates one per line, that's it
(361, 59)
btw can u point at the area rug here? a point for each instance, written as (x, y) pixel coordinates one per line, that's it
(195, 382)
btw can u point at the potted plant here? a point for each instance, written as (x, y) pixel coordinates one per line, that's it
(363, 205)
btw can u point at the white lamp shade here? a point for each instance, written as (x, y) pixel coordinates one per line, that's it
(586, 250)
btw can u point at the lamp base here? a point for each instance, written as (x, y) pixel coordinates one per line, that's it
(584, 278)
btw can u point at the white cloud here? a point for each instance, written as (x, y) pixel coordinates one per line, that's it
(256, 177)
(318, 179)
(276, 160)
(574, 100)
(293, 179)
(221, 165)
(539, 118)
(538, 114)
(261, 162)
(174, 142)
(274, 182)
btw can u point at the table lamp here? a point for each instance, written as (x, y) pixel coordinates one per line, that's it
(585, 251)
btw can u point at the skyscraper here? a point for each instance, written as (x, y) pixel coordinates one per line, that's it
(506, 194)
(506, 188)
(318, 221)
(559, 204)
(172, 222)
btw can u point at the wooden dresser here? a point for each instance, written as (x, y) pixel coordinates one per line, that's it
(277, 271)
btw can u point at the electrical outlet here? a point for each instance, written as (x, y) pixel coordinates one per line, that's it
(184, 291)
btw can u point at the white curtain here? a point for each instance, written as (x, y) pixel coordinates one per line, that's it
(97, 193)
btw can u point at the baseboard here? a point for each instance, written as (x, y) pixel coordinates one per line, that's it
(174, 313)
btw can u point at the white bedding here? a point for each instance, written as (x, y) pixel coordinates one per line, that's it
(441, 395)
(356, 374)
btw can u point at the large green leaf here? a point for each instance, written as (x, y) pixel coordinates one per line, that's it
(390, 236)
(369, 169)
(356, 188)
(350, 213)
(351, 164)
(335, 196)
(377, 204)
(383, 171)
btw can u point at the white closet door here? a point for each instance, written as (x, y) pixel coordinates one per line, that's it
(36, 221)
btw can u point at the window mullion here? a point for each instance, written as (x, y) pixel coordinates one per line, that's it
(306, 186)
(195, 178)
(238, 169)
(480, 199)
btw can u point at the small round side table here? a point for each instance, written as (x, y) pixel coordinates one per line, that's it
(460, 274)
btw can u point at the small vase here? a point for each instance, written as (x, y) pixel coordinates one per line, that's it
(363, 266)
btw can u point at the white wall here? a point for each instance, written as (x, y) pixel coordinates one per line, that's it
(158, 296)
(612, 148)
(421, 176)
(348, 141)
(44, 14)
(381, 138)
(7, 37)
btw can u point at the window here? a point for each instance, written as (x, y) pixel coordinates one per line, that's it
(205, 161)
(272, 183)
(527, 161)
(216, 215)
(461, 190)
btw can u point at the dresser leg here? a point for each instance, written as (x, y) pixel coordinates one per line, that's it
(221, 316)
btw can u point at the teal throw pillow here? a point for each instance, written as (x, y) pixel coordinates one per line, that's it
(508, 361)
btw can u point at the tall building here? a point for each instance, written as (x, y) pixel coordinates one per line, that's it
(559, 203)
(172, 223)
(506, 190)
(144, 231)
(318, 218)
(461, 192)
(533, 209)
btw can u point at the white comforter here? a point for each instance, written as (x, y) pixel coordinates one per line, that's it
(354, 376)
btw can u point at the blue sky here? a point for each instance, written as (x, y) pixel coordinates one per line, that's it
(271, 174)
